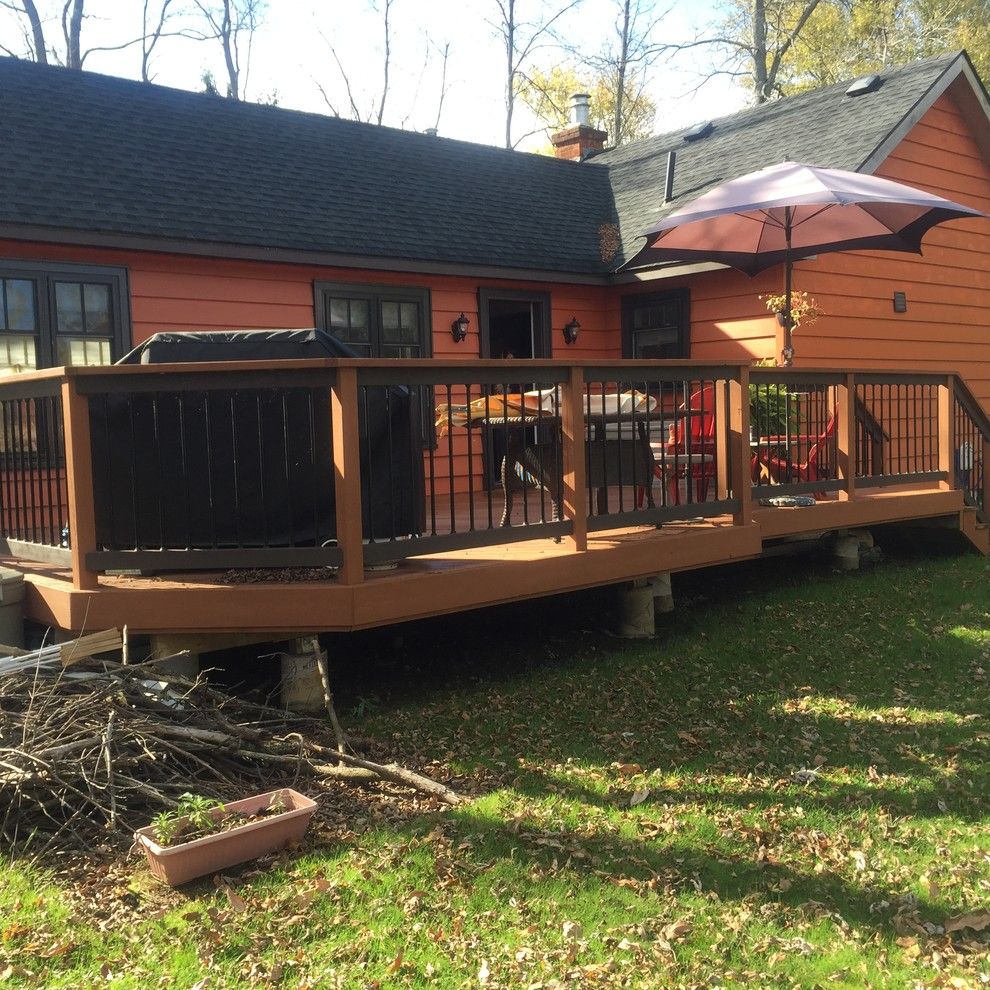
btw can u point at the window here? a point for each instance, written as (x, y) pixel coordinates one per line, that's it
(657, 326)
(55, 316)
(377, 321)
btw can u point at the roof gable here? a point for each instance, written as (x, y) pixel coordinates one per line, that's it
(822, 127)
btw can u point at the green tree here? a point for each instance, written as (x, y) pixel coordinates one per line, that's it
(548, 93)
(849, 38)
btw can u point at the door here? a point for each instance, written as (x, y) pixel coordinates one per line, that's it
(513, 325)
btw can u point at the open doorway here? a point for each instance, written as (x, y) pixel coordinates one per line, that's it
(513, 325)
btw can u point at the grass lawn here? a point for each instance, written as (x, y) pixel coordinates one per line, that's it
(787, 787)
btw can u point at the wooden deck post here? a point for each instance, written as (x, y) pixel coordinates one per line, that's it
(575, 499)
(986, 476)
(347, 475)
(947, 432)
(738, 442)
(845, 436)
(79, 483)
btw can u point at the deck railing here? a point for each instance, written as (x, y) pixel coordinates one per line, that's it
(971, 460)
(348, 464)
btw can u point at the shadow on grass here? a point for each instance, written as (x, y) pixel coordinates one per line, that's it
(672, 866)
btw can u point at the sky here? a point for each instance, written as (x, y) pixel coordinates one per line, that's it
(292, 59)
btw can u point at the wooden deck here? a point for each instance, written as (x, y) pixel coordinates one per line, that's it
(932, 467)
(435, 584)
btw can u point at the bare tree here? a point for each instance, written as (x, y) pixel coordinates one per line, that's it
(72, 15)
(625, 62)
(755, 40)
(520, 40)
(228, 21)
(37, 32)
(354, 111)
(443, 84)
(154, 19)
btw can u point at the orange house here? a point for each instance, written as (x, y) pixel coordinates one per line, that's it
(128, 209)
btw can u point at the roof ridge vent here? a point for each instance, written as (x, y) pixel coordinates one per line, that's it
(699, 131)
(867, 84)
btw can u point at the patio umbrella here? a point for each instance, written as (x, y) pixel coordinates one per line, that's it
(791, 211)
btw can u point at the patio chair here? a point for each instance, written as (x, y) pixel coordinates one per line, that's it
(783, 468)
(689, 450)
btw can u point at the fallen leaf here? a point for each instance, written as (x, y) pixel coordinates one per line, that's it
(628, 769)
(572, 930)
(237, 903)
(678, 930)
(639, 797)
(977, 920)
(395, 965)
(484, 974)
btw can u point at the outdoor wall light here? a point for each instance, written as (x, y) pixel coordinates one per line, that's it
(571, 330)
(458, 329)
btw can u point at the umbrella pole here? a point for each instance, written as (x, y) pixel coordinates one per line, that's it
(787, 353)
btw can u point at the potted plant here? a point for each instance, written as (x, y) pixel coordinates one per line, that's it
(772, 410)
(202, 836)
(804, 310)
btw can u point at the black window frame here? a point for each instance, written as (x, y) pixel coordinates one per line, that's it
(45, 274)
(374, 295)
(681, 298)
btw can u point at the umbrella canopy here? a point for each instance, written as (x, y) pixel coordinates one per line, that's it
(791, 211)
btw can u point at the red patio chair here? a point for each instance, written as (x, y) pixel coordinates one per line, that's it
(783, 469)
(690, 455)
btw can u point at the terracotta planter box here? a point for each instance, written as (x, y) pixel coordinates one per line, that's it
(185, 861)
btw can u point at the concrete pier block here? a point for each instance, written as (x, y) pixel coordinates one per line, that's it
(663, 596)
(302, 683)
(181, 666)
(635, 608)
(845, 552)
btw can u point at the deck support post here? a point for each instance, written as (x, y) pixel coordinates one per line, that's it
(947, 433)
(79, 483)
(636, 619)
(845, 436)
(740, 475)
(347, 475)
(986, 476)
(575, 507)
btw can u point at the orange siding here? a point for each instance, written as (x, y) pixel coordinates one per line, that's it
(945, 327)
(181, 292)
(947, 323)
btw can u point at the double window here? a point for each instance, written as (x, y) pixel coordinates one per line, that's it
(59, 316)
(377, 321)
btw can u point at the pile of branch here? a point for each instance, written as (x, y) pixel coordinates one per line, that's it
(93, 746)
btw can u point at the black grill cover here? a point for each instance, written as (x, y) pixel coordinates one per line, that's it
(246, 467)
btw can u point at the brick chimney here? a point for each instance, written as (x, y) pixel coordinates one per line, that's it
(580, 138)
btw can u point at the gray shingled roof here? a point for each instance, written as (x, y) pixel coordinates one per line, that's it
(823, 127)
(95, 153)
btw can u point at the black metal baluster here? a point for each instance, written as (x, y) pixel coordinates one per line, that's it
(450, 464)
(282, 396)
